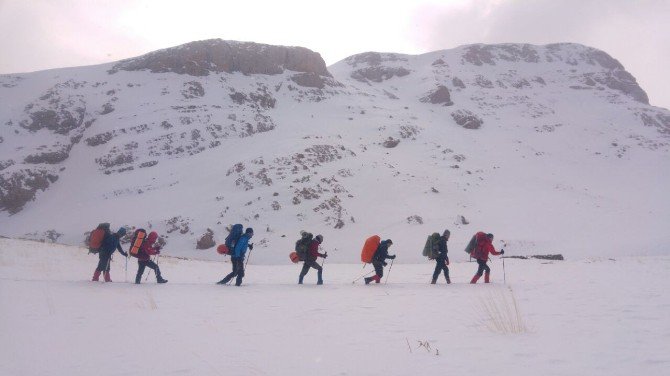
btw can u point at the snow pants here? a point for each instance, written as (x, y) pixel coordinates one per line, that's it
(441, 265)
(483, 268)
(379, 268)
(141, 264)
(311, 264)
(238, 271)
(104, 262)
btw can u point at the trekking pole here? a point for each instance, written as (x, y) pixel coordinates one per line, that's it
(389, 273)
(363, 275)
(248, 257)
(504, 274)
(126, 280)
(147, 276)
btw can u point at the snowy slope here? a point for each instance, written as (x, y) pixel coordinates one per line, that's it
(608, 318)
(558, 151)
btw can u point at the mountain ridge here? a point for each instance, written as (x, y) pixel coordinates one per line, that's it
(284, 149)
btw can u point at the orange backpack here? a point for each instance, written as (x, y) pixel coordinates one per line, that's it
(369, 248)
(96, 237)
(136, 244)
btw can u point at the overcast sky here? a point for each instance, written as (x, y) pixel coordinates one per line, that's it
(43, 34)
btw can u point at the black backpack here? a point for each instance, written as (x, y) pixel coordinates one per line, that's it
(302, 245)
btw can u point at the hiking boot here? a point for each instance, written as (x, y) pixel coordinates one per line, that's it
(319, 282)
(300, 280)
(108, 278)
(475, 278)
(486, 278)
(96, 276)
(434, 281)
(368, 280)
(222, 282)
(448, 281)
(161, 280)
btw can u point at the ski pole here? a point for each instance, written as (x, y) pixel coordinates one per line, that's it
(363, 275)
(147, 276)
(504, 274)
(245, 264)
(126, 280)
(389, 273)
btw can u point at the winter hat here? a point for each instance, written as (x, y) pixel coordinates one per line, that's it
(121, 232)
(319, 238)
(389, 241)
(490, 236)
(446, 233)
(249, 230)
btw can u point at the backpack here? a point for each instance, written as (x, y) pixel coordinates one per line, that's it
(233, 236)
(302, 245)
(369, 248)
(431, 249)
(136, 244)
(96, 237)
(470, 248)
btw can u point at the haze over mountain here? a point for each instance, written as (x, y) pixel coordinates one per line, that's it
(553, 148)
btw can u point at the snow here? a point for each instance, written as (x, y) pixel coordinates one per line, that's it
(591, 316)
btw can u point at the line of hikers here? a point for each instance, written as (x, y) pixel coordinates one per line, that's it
(375, 251)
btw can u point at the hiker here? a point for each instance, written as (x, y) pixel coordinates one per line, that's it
(144, 258)
(379, 260)
(441, 258)
(237, 257)
(310, 260)
(110, 243)
(484, 246)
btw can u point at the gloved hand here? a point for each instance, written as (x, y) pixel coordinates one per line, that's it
(502, 251)
(384, 263)
(325, 255)
(158, 252)
(392, 257)
(251, 246)
(446, 261)
(158, 249)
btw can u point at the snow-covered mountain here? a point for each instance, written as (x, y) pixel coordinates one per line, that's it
(554, 148)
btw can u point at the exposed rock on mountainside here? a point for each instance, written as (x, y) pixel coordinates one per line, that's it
(215, 55)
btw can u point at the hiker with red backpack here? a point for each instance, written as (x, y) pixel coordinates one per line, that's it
(310, 260)
(441, 258)
(237, 257)
(110, 243)
(144, 258)
(483, 246)
(379, 260)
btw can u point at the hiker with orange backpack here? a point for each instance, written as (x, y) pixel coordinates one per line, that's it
(110, 243)
(483, 246)
(379, 260)
(144, 258)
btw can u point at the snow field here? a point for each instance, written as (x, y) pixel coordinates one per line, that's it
(596, 316)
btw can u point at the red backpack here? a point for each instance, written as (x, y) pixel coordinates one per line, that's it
(96, 237)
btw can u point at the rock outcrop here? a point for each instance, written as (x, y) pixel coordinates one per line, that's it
(215, 55)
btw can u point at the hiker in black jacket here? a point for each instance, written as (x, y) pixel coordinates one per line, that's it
(110, 243)
(442, 260)
(379, 260)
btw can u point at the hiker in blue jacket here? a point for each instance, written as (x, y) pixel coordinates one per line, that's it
(110, 243)
(237, 258)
